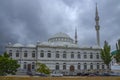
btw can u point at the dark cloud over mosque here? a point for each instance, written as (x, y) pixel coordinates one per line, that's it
(27, 21)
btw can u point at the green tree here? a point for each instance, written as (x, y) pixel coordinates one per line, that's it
(8, 65)
(117, 55)
(106, 55)
(42, 68)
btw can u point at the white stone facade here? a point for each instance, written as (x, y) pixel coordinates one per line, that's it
(60, 53)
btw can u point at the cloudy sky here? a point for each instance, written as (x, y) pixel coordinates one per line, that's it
(27, 21)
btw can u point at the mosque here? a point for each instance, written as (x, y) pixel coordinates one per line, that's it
(60, 53)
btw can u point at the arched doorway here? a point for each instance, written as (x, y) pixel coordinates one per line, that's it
(29, 68)
(72, 68)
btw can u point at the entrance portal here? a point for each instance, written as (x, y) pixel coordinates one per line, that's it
(29, 68)
(71, 70)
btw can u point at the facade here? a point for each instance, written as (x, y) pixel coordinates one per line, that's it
(60, 53)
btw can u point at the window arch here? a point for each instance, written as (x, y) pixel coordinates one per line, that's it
(64, 66)
(49, 55)
(79, 66)
(33, 54)
(57, 66)
(85, 66)
(79, 56)
(10, 53)
(25, 53)
(72, 55)
(91, 65)
(98, 66)
(42, 53)
(97, 56)
(33, 65)
(91, 56)
(17, 53)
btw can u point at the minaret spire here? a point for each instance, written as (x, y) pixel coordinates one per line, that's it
(97, 27)
(76, 35)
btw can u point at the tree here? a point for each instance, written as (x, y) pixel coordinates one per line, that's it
(117, 55)
(106, 55)
(42, 68)
(8, 65)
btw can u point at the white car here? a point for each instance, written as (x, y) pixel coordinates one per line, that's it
(56, 74)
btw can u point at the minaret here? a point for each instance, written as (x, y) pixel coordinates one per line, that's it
(76, 36)
(97, 27)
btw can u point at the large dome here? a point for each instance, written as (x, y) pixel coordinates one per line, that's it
(60, 37)
(60, 34)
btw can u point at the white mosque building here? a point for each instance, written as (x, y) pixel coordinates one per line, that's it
(60, 53)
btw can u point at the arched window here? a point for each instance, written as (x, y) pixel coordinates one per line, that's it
(98, 66)
(33, 65)
(42, 53)
(91, 56)
(79, 66)
(17, 53)
(91, 65)
(64, 66)
(57, 66)
(103, 67)
(10, 53)
(64, 54)
(49, 54)
(85, 66)
(85, 55)
(25, 53)
(25, 65)
(97, 56)
(79, 55)
(57, 54)
(72, 55)
(33, 54)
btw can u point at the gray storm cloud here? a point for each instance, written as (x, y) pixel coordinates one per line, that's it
(27, 21)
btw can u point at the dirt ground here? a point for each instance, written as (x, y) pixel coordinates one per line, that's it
(59, 78)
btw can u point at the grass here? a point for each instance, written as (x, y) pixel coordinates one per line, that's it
(58, 78)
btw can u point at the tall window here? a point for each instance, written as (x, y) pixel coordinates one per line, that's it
(10, 53)
(85, 66)
(64, 54)
(78, 66)
(98, 66)
(64, 66)
(103, 67)
(25, 53)
(97, 56)
(42, 53)
(33, 65)
(33, 54)
(79, 55)
(25, 66)
(17, 53)
(57, 66)
(85, 55)
(49, 54)
(57, 54)
(91, 65)
(91, 56)
(72, 55)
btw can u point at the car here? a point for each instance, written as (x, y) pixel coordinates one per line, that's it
(56, 74)
(114, 74)
(40, 74)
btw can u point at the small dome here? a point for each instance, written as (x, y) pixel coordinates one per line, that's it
(17, 45)
(30, 45)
